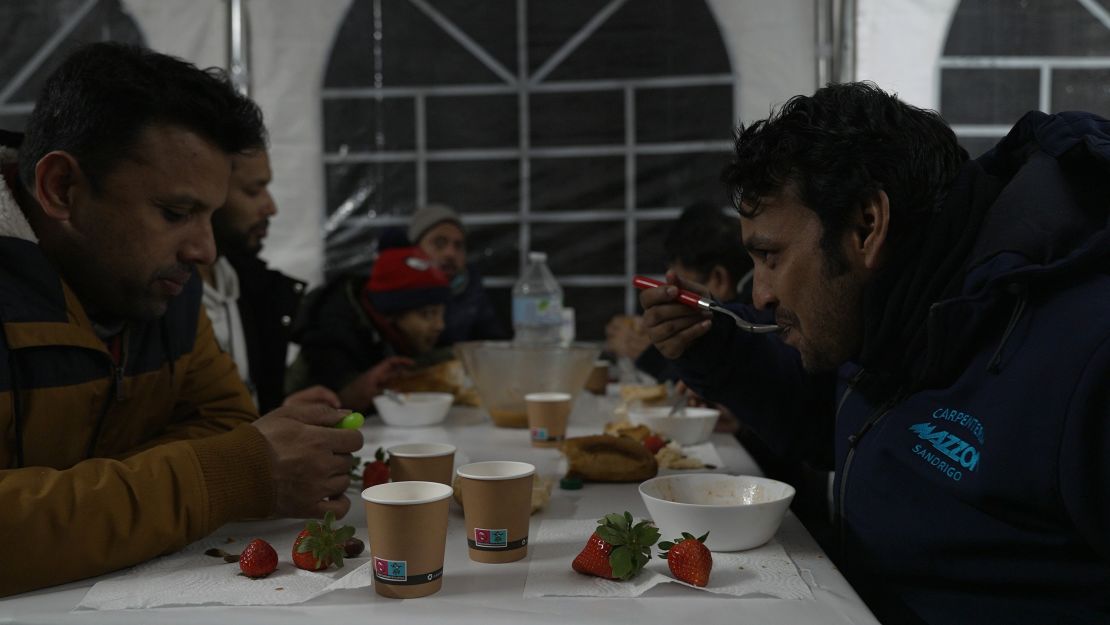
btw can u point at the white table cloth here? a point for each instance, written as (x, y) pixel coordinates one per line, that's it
(485, 594)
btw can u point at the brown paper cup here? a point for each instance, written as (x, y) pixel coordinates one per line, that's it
(407, 522)
(422, 462)
(547, 417)
(598, 381)
(497, 503)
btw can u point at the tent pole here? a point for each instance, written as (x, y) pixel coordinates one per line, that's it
(238, 46)
(845, 52)
(823, 41)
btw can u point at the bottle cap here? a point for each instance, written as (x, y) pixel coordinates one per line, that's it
(570, 482)
(537, 257)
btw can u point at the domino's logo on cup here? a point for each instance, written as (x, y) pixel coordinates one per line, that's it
(540, 434)
(490, 538)
(391, 570)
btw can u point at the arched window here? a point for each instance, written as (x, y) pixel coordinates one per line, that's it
(37, 36)
(1004, 58)
(575, 127)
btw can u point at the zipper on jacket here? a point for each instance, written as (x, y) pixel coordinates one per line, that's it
(114, 394)
(117, 379)
(853, 442)
(839, 407)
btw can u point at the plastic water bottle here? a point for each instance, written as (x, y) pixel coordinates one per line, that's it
(537, 304)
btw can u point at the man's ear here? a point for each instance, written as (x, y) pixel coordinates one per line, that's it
(871, 231)
(719, 283)
(57, 178)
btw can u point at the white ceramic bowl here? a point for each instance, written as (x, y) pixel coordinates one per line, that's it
(738, 511)
(691, 429)
(419, 409)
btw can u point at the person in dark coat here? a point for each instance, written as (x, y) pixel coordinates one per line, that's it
(252, 307)
(356, 334)
(438, 231)
(946, 323)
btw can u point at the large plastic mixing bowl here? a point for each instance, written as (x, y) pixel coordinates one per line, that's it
(504, 372)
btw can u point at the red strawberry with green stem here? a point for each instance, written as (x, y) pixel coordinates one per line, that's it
(318, 546)
(258, 560)
(376, 472)
(617, 549)
(688, 558)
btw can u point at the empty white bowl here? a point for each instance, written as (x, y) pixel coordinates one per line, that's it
(693, 428)
(418, 409)
(739, 511)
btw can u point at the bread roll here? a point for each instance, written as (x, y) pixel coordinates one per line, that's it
(605, 458)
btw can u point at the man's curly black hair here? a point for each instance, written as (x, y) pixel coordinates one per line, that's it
(835, 150)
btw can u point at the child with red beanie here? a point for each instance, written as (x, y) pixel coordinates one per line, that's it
(357, 334)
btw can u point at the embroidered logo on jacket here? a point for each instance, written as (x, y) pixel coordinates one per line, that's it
(949, 447)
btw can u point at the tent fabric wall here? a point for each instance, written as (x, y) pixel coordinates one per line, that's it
(772, 54)
(289, 44)
(898, 45)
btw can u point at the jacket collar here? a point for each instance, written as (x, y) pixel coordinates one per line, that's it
(38, 309)
(12, 221)
(1041, 195)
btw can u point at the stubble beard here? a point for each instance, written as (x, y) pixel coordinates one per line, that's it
(833, 335)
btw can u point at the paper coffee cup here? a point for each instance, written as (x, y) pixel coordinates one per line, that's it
(407, 523)
(497, 503)
(599, 378)
(547, 417)
(422, 462)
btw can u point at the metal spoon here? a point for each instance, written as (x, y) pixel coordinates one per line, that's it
(394, 395)
(693, 300)
(678, 408)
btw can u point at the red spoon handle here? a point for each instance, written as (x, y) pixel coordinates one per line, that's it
(689, 298)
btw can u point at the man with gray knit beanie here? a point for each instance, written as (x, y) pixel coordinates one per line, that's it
(438, 231)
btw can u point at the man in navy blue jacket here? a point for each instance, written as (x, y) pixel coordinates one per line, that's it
(947, 322)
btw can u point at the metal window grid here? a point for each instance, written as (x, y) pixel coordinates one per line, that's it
(523, 85)
(1044, 64)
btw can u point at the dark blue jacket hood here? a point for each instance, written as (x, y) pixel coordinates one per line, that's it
(1016, 222)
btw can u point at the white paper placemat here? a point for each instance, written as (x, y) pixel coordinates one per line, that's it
(762, 572)
(189, 577)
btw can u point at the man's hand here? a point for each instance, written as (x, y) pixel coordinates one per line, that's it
(313, 395)
(310, 459)
(672, 326)
(360, 393)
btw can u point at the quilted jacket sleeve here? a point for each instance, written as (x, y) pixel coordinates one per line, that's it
(102, 514)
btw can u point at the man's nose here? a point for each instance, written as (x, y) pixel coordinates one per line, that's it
(763, 295)
(200, 247)
(269, 208)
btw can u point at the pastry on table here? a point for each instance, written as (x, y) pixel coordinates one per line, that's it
(671, 456)
(604, 458)
(625, 428)
(647, 394)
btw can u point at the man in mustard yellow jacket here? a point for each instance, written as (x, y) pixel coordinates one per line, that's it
(125, 432)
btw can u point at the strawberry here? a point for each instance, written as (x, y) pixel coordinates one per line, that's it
(376, 472)
(654, 442)
(617, 549)
(688, 558)
(318, 546)
(594, 558)
(258, 560)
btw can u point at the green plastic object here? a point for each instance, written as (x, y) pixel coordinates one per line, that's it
(352, 421)
(570, 483)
